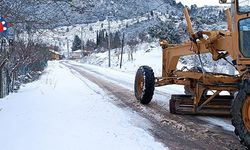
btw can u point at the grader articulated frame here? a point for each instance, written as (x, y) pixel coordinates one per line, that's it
(197, 81)
(234, 42)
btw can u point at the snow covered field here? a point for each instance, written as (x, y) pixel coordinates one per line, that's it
(144, 54)
(63, 112)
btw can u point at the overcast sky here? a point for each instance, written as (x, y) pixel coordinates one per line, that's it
(199, 2)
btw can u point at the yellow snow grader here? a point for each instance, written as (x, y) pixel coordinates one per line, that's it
(204, 90)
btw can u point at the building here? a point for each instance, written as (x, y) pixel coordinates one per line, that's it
(54, 55)
(76, 54)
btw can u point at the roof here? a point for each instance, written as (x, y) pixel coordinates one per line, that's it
(55, 52)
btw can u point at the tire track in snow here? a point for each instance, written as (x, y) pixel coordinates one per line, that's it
(176, 132)
(158, 96)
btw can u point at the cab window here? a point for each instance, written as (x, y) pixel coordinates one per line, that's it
(243, 6)
(244, 37)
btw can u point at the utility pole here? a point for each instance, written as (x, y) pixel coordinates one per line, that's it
(82, 41)
(109, 43)
(67, 47)
(55, 43)
(122, 50)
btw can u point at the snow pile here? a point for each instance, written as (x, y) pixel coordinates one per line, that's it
(63, 112)
(143, 54)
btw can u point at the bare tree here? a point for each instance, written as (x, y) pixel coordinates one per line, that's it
(132, 45)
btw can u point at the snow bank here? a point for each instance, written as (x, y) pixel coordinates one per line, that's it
(143, 54)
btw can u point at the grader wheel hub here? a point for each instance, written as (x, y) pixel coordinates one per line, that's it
(140, 85)
(246, 113)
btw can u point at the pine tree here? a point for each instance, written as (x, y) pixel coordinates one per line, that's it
(97, 39)
(76, 43)
(102, 38)
(90, 45)
(117, 40)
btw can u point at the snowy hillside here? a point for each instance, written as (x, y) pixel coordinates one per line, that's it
(140, 19)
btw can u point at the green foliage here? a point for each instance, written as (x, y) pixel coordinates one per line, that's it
(76, 43)
(167, 30)
(90, 45)
(102, 38)
(117, 40)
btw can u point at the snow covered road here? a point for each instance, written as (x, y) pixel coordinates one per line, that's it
(63, 112)
(177, 132)
(76, 107)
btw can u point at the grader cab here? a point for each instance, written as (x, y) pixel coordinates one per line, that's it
(204, 90)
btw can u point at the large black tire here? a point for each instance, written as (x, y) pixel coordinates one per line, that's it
(144, 84)
(242, 129)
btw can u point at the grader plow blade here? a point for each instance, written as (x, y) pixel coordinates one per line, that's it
(184, 104)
